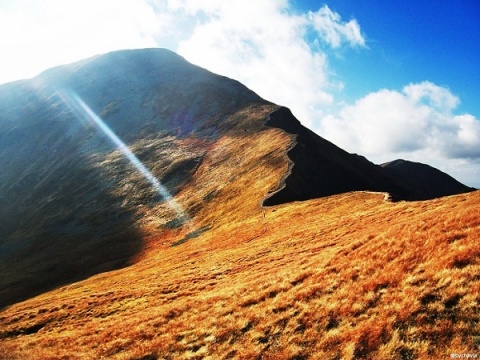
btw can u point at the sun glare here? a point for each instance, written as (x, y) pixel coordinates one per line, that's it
(84, 113)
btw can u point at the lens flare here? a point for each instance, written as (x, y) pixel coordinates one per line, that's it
(84, 113)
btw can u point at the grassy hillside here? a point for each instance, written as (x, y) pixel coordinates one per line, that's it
(70, 201)
(211, 273)
(347, 276)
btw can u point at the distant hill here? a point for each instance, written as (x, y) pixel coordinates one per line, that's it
(423, 181)
(74, 205)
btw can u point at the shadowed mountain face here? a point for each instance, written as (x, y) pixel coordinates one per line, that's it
(424, 181)
(74, 202)
(319, 168)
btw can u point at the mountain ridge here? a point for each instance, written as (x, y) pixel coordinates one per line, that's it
(320, 168)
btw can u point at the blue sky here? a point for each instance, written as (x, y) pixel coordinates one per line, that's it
(386, 79)
(413, 41)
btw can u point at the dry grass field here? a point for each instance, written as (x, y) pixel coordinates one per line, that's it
(343, 277)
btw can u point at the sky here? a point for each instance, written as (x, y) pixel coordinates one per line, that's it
(384, 79)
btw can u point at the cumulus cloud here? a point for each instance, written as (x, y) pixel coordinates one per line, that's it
(432, 95)
(417, 123)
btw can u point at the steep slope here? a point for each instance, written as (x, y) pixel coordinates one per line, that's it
(72, 202)
(424, 181)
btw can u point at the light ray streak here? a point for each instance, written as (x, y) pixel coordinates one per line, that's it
(84, 111)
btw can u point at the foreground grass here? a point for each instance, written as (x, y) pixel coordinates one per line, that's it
(348, 276)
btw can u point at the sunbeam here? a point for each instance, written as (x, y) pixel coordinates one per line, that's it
(83, 111)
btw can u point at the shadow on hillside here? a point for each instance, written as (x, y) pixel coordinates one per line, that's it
(60, 220)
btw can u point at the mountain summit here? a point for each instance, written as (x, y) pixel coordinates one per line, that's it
(99, 155)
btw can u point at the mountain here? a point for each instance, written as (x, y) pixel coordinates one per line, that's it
(99, 155)
(71, 202)
(319, 168)
(150, 209)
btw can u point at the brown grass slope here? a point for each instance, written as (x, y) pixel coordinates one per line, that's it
(347, 276)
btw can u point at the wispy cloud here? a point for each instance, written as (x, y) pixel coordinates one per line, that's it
(332, 30)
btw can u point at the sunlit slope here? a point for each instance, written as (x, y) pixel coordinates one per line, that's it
(346, 276)
(83, 225)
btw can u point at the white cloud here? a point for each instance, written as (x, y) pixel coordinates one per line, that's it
(416, 123)
(265, 48)
(37, 35)
(432, 95)
(333, 30)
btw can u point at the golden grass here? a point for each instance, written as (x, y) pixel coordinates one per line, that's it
(344, 277)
